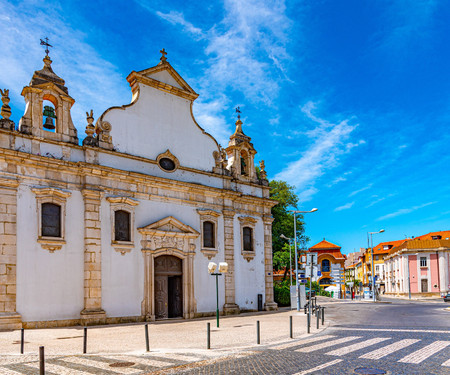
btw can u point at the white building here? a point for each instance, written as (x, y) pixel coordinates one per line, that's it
(122, 227)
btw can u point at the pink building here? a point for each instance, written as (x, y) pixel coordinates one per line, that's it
(419, 266)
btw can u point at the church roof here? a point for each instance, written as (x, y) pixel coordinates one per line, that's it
(324, 244)
(46, 75)
(163, 77)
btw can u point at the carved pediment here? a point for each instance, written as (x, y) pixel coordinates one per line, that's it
(169, 226)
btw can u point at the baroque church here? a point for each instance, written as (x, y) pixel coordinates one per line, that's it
(122, 227)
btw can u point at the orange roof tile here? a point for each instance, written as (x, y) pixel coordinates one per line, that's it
(324, 245)
(445, 235)
(379, 249)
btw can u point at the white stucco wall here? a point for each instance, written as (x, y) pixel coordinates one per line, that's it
(123, 275)
(158, 121)
(249, 276)
(49, 285)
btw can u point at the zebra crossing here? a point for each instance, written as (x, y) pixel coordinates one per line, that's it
(369, 348)
(101, 364)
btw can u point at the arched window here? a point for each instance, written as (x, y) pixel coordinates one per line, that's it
(244, 161)
(50, 220)
(325, 281)
(49, 116)
(208, 234)
(248, 238)
(122, 226)
(325, 265)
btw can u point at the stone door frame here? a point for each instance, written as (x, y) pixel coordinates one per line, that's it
(168, 236)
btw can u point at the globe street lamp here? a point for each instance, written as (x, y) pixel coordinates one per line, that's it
(223, 268)
(290, 257)
(295, 249)
(371, 251)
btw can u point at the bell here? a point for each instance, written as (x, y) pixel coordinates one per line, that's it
(48, 124)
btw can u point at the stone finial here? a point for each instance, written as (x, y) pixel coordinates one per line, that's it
(223, 158)
(90, 140)
(262, 168)
(163, 57)
(5, 111)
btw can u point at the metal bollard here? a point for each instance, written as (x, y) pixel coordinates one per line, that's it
(258, 334)
(147, 343)
(85, 341)
(41, 361)
(308, 323)
(323, 315)
(317, 318)
(208, 335)
(22, 340)
(291, 331)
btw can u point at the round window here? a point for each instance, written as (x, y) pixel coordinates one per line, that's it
(167, 164)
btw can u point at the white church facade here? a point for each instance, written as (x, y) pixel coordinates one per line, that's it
(122, 227)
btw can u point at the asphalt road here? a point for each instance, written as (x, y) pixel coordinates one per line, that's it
(388, 337)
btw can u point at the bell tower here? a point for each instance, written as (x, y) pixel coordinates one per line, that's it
(241, 154)
(48, 104)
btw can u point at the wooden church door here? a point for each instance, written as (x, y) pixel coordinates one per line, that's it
(168, 287)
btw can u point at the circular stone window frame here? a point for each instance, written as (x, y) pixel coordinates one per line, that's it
(169, 156)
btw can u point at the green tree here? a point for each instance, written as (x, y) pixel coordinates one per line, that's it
(283, 222)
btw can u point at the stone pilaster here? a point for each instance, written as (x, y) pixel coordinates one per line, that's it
(443, 271)
(230, 306)
(92, 312)
(9, 318)
(269, 304)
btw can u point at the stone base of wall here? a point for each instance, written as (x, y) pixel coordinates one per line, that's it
(10, 321)
(79, 322)
(271, 306)
(230, 309)
(414, 295)
(93, 317)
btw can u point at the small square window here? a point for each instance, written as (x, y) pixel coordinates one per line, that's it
(423, 261)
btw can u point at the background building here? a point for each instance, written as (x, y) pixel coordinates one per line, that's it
(329, 259)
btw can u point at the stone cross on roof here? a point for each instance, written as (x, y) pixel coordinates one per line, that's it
(238, 111)
(163, 53)
(46, 44)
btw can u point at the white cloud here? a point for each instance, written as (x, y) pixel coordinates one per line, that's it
(328, 142)
(92, 81)
(404, 211)
(177, 18)
(246, 52)
(360, 190)
(345, 206)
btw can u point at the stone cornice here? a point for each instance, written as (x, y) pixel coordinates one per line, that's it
(123, 200)
(9, 182)
(135, 76)
(51, 191)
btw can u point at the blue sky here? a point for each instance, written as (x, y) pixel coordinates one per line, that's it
(348, 101)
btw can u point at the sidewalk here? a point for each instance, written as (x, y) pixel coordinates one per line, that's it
(174, 341)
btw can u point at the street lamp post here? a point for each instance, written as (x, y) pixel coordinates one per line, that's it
(223, 268)
(290, 256)
(371, 252)
(295, 249)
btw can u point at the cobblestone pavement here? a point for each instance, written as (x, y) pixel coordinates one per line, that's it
(102, 364)
(342, 350)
